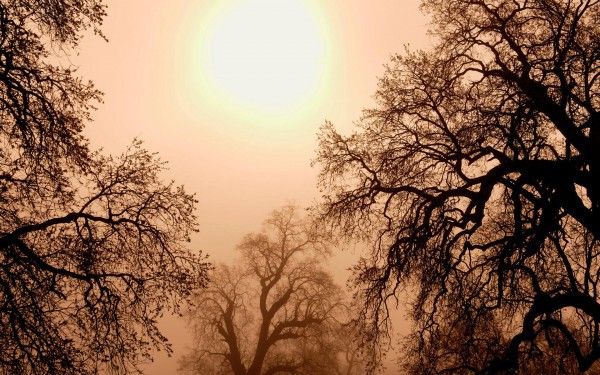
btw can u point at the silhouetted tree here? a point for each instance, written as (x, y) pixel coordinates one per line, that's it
(92, 248)
(477, 178)
(276, 312)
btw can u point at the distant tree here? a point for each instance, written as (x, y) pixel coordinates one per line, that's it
(92, 248)
(477, 178)
(276, 312)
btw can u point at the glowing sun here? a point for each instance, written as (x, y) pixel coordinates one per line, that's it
(267, 54)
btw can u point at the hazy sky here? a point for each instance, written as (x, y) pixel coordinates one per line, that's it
(231, 94)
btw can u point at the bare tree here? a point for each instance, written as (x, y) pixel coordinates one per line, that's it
(275, 312)
(93, 248)
(476, 176)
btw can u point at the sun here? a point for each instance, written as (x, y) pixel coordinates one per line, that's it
(266, 54)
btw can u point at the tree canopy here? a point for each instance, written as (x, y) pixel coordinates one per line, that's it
(93, 248)
(277, 310)
(476, 178)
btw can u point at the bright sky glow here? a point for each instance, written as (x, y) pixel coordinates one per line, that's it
(265, 54)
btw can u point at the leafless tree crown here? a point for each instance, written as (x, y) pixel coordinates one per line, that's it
(477, 176)
(277, 311)
(93, 248)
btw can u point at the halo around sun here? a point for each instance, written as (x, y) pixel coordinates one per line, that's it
(264, 55)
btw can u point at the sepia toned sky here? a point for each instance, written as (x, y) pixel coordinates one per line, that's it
(231, 93)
